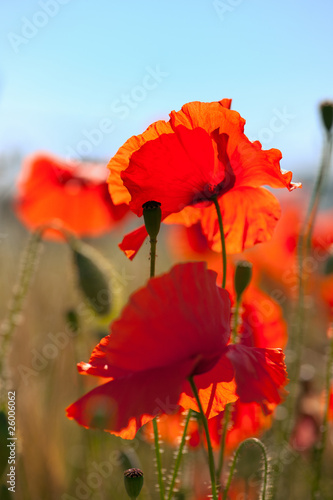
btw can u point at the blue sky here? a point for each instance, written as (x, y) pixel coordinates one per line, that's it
(77, 78)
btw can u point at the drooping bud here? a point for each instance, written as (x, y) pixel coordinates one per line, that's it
(243, 275)
(92, 278)
(152, 215)
(326, 109)
(133, 479)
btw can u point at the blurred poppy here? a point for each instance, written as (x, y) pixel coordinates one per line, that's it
(177, 326)
(201, 154)
(73, 194)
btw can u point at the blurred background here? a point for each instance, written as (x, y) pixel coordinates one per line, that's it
(77, 79)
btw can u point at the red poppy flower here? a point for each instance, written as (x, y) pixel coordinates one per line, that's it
(177, 326)
(199, 154)
(76, 194)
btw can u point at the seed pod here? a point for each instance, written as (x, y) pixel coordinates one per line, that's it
(152, 216)
(133, 479)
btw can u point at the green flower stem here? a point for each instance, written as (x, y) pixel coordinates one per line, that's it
(153, 242)
(179, 455)
(226, 420)
(209, 444)
(155, 427)
(234, 461)
(228, 407)
(158, 459)
(224, 253)
(323, 436)
(27, 267)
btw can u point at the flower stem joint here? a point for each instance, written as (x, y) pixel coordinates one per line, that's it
(133, 479)
(152, 216)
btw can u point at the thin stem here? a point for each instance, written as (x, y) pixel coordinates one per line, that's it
(303, 249)
(179, 455)
(158, 459)
(224, 253)
(234, 461)
(155, 427)
(209, 444)
(152, 256)
(27, 267)
(226, 420)
(323, 436)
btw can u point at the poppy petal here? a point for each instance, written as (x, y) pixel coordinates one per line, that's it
(123, 405)
(249, 216)
(133, 241)
(120, 161)
(172, 170)
(260, 374)
(179, 315)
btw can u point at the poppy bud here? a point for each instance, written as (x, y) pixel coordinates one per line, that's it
(329, 265)
(243, 277)
(326, 109)
(72, 320)
(92, 278)
(152, 215)
(133, 479)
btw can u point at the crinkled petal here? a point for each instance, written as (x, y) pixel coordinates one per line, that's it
(260, 374)
(216, 388)
(249, 216)
(172, 170)
(120, 161)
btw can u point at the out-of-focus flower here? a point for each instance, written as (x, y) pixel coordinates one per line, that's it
(72, 194)
(201, 153)
(176, 327)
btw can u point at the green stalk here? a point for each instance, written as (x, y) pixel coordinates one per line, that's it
(179, 455)
(153, 242)
(209, 444)
(323, 434)
(228, 407)
(224, 253)
(234, 461)
(158, 459)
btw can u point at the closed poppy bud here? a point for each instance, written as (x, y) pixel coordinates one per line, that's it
(72, 320)
(92, 278)
(133, 479)
(329, 265)
(152, 216)
(243, 277)
(326, 109)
